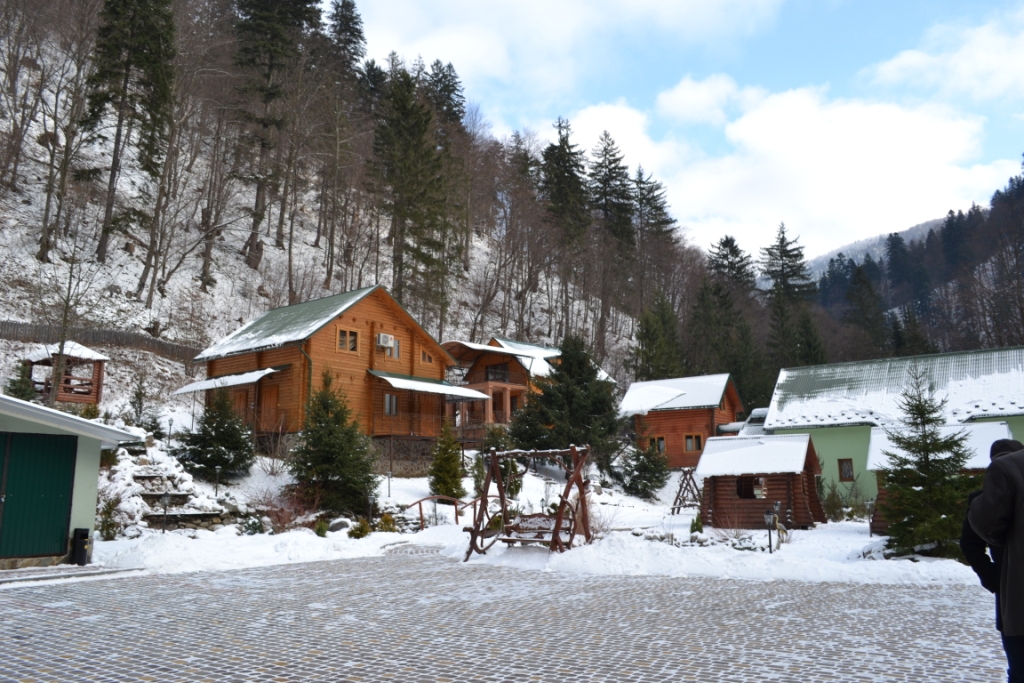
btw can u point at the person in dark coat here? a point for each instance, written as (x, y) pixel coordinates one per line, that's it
(996, 516)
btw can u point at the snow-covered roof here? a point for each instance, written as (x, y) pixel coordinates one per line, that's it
(71, 350)
(731, 427)
(533, 357)
(430, 386)
(754, 426)
(31, 412)
(285, 325)
(980, 436)
(680, 393)
(975, 384)
(725, 456)
(226, 381)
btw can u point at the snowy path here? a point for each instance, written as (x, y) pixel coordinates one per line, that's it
(419, 617)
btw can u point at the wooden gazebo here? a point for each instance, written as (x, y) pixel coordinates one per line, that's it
(83, 372)
(744, 476)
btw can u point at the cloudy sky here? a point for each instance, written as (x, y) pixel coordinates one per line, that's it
(843, 118)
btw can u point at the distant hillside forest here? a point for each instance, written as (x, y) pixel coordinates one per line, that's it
(169, 141)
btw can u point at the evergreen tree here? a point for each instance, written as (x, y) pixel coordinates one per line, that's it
(222, 439)
(655, 235)
(907, 336)
(783, 334)
(564, 186)
(268, 34)
(645, 473)
(898, 259)
(811, 350)
(783, 263)
(345, 29)
(926, 487)
(22, 386)
(406, 174)
(733, 265)
(835, 282)
(575, 406)
(658, 352)
(133, 76)
(333, 464)
(446, 468)
(611, 194)
(866, 314)
(444, 90)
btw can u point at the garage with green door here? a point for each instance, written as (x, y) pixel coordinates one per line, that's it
(49, 468)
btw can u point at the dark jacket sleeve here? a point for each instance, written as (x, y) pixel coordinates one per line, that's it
(975, 549)
(991, 513)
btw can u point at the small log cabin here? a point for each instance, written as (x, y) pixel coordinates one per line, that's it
(980, 436)
(83, 372)
(743, 476)
(390, 369)
(503, 369)
(680, 415)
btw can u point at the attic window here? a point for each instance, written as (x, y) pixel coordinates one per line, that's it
(426, 357)
(348, 340)
(750, 488)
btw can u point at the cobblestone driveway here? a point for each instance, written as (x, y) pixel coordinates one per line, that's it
(425, 618)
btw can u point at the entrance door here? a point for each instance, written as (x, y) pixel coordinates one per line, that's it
(269, 418)
(35, 493)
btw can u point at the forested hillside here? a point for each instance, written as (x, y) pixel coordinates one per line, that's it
(180, 166)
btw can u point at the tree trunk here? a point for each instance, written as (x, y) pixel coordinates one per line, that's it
(115, 169)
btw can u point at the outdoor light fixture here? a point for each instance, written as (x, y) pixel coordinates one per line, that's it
(869, 507)
(216, 486)
(769, 517)
(389, 483)
(778, 506)
(170, 430)
(370, 499)
(166, 500)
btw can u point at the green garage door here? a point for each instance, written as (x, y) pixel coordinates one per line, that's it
(38, 472)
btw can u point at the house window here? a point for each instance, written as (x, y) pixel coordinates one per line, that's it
(658, 442)
(846, 469)
(497, 372)
(395, 351)
(348, 340)
(426, 357)
(390, 404)
(751, 488)
(694, 443)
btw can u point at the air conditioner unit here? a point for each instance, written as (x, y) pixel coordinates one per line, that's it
(386, 341)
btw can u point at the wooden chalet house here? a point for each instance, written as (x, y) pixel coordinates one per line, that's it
(504, 370)
(680, 415)
(390, 369)
(83, 372)
(980, 436)
(743, 476)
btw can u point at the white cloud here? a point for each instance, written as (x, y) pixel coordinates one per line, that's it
(834, 170)
(983, 62)
(706, 101)
(507, 48)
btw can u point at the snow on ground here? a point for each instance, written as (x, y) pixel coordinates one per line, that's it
(639, 538)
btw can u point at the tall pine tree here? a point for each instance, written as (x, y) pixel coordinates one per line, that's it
(133, 77)
(658, 352)
(731, 264)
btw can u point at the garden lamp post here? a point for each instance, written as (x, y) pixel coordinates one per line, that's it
(166, 500)
(389, 483)
(769, 517)
(170, 430)
(869, 507)
(216, 486)
(370, 500)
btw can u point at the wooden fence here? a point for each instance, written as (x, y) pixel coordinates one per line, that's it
(50, 334)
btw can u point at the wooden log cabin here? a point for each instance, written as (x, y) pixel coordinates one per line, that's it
(980, 436)
(743, 476)
(680, 415)
(83, 372)
(503, 369)
(390, 369)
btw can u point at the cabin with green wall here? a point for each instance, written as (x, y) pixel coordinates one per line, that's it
(838, 404)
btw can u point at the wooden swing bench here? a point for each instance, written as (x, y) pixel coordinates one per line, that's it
(558, 531)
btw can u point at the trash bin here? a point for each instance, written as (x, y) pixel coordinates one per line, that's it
(81, 545)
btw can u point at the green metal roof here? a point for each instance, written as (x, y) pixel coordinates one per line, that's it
(285, 325)
(975, 384)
